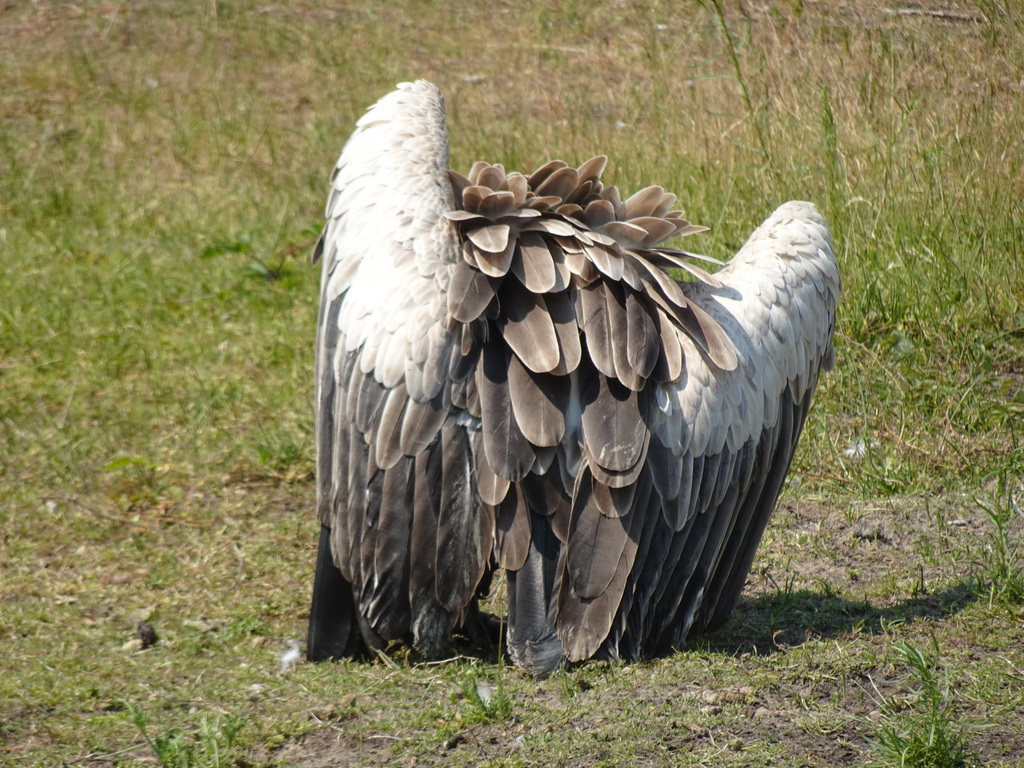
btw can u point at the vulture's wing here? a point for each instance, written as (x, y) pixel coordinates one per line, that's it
(395, 487)
(722, 440)
(507, 373)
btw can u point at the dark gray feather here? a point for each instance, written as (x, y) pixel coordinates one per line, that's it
(465, 527)
(613, 431)
(507, 450)
(532, 640)
(431, 623)
(388, 611)
(595, 541)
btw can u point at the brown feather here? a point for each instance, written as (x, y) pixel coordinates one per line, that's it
(669, 287)
(584, 622)
(389, 428)
(528, 329)
(720, 348)
(563, 315)
(614, 502)
(623, 478)
(474, 195)
(645, 202)
(618, 332)
(657, 229)
(495, 263)
(538, 402)
(518, 186)
(632, 275)
(420, 424)
(643, 342)
(606, 260)
(490, 175)
(595, 542)
(574, 243)
(582, 190)
(592, 169)
(541, 174)
(532, 263)
(512, 531)
(498, 204)
(546, 495)
(563, 276)
(592, 315)
(670, 360)
(669, 258)
(625, 234)
(491, 487)
(598, 213)
(551, 225)
(628, 630)
(492, 238)
(578, 263)
(707, 335)
(560, 183)
(469, 292)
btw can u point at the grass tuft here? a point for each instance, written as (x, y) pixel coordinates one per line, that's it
(209, 747)
(1001, 576)
(921, 731)
(485, 698)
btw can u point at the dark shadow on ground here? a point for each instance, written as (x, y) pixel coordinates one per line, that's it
(771, 622)
(760, 625)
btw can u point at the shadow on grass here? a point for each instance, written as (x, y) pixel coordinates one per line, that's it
(768, 623)
(760, 625)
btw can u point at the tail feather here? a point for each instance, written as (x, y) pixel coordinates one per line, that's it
(532, 640)
(333, 625)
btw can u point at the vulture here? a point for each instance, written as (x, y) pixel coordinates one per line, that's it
(512, 373)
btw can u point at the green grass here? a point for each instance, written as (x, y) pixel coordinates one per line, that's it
(212, 747)
(163, 167)
(921, 732)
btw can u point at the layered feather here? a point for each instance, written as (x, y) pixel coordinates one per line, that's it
(508, 376)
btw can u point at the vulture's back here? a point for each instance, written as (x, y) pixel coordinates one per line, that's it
(508, 377)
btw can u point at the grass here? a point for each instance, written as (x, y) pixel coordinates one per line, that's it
(163, 168)
(1001, 575)
(212, 747)
(921, 732)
